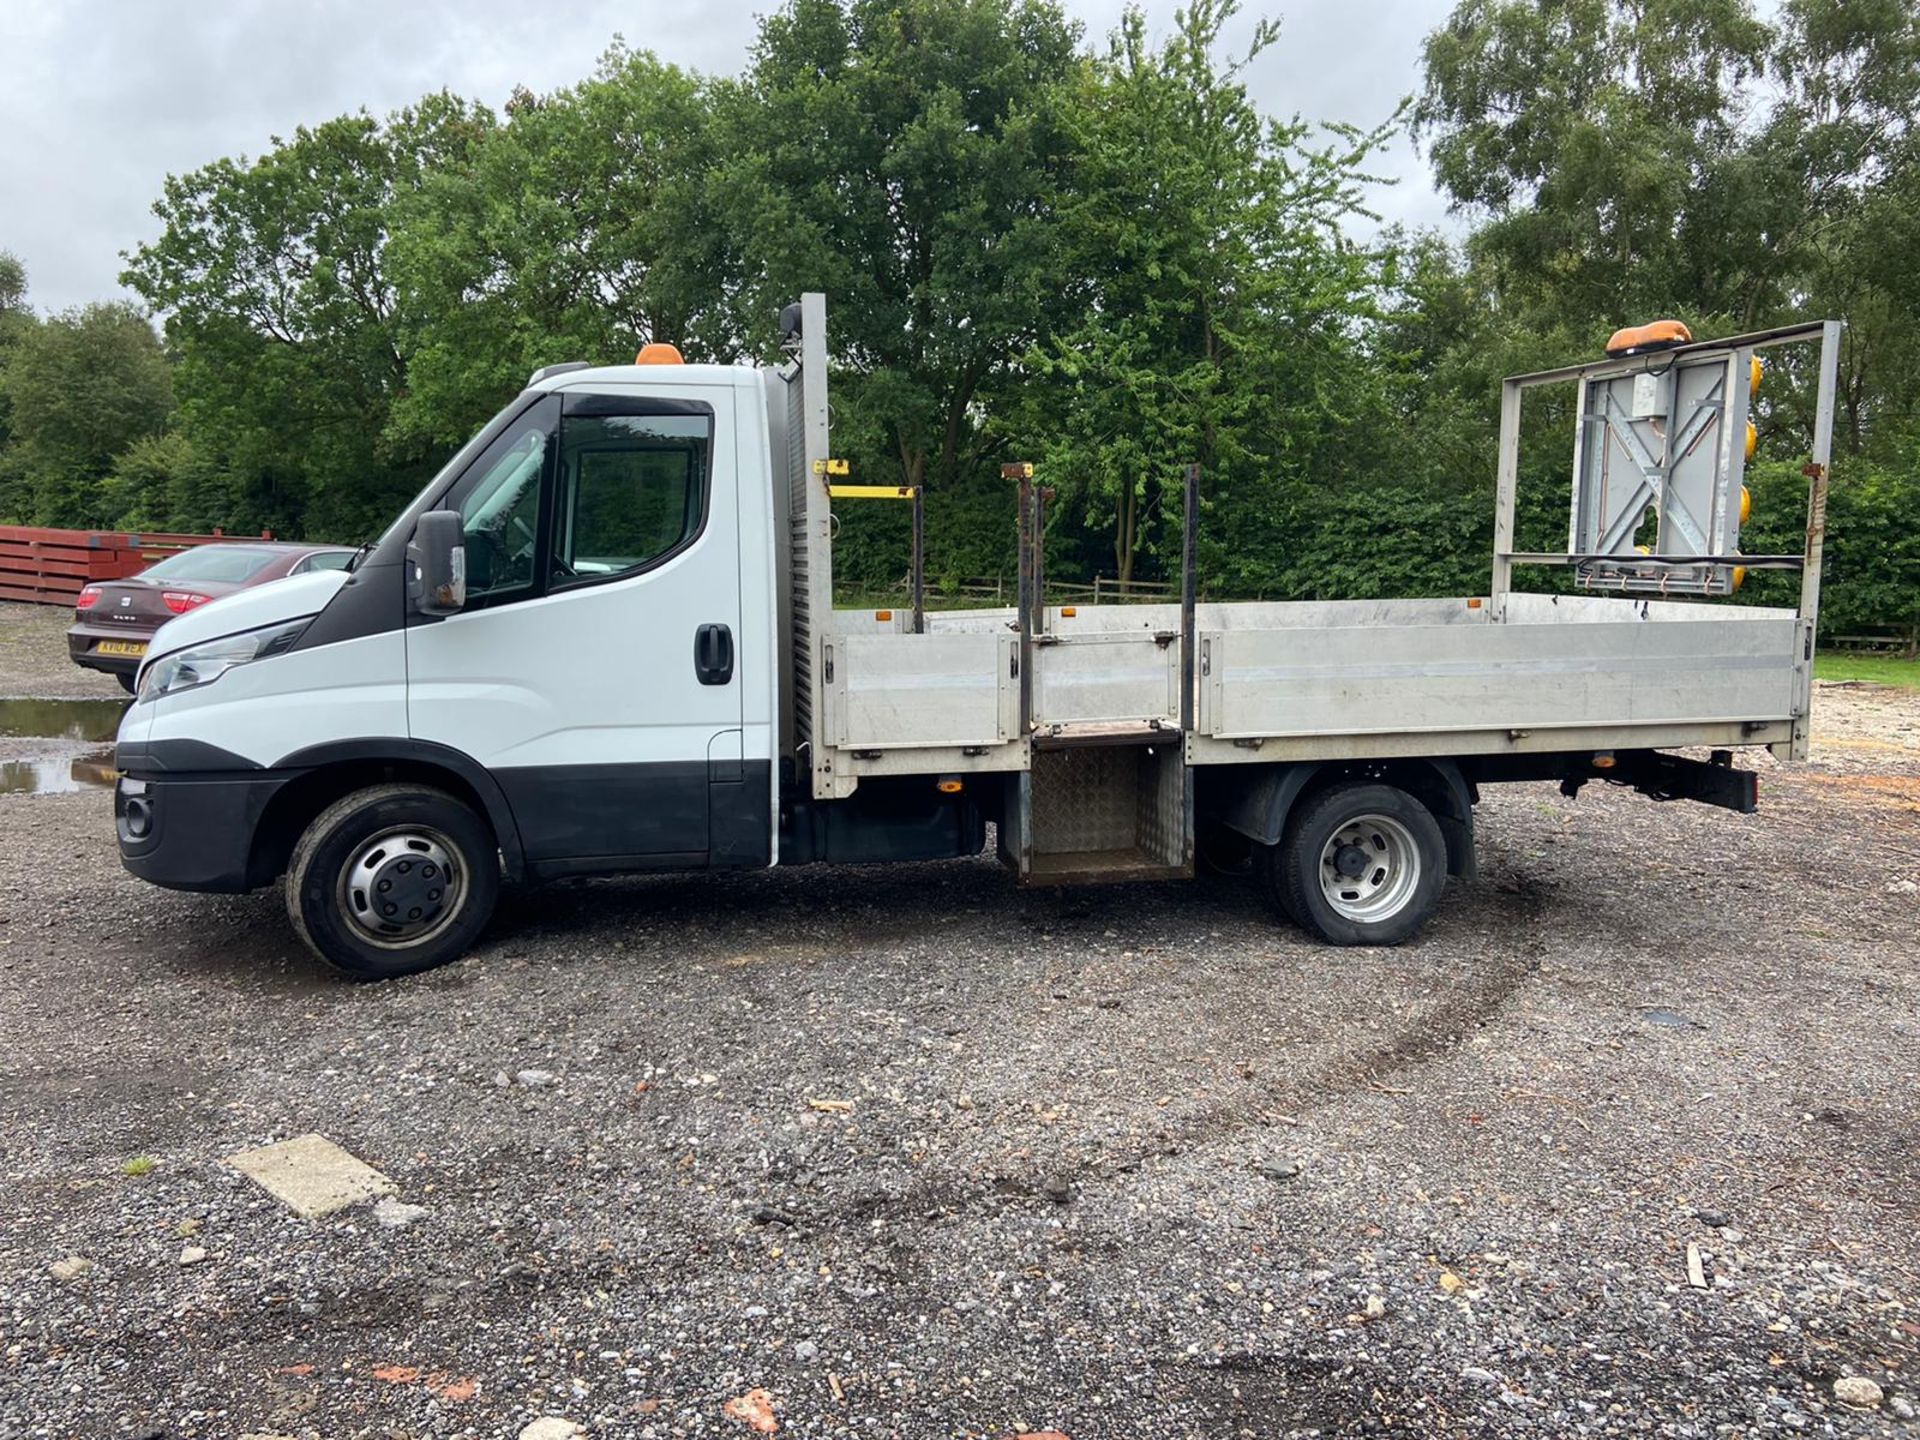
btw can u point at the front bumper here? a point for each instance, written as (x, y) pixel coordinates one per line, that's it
(195, 831)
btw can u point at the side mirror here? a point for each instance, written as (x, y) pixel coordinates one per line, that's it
(438, 557)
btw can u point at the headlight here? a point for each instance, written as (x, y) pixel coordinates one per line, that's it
(204, 664)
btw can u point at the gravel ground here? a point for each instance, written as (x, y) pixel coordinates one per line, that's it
(1124, 1163)
(33, 657)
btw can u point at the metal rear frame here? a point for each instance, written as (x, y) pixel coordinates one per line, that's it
(1818, 471)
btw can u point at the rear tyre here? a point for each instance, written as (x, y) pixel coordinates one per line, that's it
(392, 880)
(1360, 864)
(126, 681)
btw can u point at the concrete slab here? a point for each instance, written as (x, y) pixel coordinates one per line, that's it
(311, 1175)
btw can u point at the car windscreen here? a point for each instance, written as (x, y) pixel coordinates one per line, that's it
(221, 564)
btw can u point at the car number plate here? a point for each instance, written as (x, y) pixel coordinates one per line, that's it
(135, 648)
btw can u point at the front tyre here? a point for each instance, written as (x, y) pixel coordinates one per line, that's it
(392, 880)
(1360, 864)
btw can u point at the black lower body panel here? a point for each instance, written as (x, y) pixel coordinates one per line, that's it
(194, 832)
(660, 815)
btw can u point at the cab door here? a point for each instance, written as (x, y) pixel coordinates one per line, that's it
(594, 670)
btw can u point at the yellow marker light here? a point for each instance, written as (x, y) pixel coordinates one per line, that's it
(1604, 760)
(658, 353)
(1746, 503)
(949, 787)
(1739, 576)
(1069, 611)
(883, 616)
(1473, 604)
(1753, 377)
(1753, 439)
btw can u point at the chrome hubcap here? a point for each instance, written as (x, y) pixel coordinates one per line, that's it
(1369, 868)
(403, 886)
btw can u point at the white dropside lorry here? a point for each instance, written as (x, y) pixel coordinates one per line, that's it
(603, 639)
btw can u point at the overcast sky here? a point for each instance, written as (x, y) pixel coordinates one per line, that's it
(104, 98)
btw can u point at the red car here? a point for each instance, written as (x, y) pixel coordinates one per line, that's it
(114, 620)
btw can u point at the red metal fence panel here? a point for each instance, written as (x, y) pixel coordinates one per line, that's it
(50, 567)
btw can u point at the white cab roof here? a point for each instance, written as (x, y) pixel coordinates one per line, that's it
(601, 377)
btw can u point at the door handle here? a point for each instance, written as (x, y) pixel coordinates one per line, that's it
(713, 654)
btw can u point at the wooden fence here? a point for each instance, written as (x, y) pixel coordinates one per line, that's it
(1902, 641)
(50, 567)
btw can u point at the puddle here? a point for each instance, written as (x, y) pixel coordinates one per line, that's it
(94, 720)
(57, 768)
(56, 774)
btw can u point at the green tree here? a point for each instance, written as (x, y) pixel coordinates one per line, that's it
(902, 155)
(13, 283)
(1599, 138)
(161, 482)
(576, 229)
(15, 320)
(81, 387)
(272, 277)
(1222, 317)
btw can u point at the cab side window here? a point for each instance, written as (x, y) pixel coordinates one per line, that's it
(500, 515)
(632, 492)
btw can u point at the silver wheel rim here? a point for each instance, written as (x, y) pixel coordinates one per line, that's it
(402, 887)
(1369, 868)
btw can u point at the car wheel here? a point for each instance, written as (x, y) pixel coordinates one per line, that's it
(1360, 864)
(126, 681)
(392, 880)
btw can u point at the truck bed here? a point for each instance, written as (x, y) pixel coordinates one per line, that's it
(1506, 673)
(1317, 680)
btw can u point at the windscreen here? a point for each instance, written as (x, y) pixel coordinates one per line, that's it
(221, 564)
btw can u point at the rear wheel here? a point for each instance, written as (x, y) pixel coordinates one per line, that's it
(1360, 864)
(392, 880)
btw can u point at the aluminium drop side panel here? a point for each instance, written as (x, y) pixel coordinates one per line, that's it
(922, 693)
(1259, 684)
(1119, 676)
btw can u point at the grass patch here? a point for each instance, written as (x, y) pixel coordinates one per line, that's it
(1875, 669)
(139, 1165)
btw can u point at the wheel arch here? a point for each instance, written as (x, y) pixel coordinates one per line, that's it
(330, 771)
(1258, 805)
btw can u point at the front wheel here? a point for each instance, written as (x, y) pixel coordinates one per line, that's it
(1360, 864)
(392, 880)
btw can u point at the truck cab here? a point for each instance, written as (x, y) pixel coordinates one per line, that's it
(601, 698)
